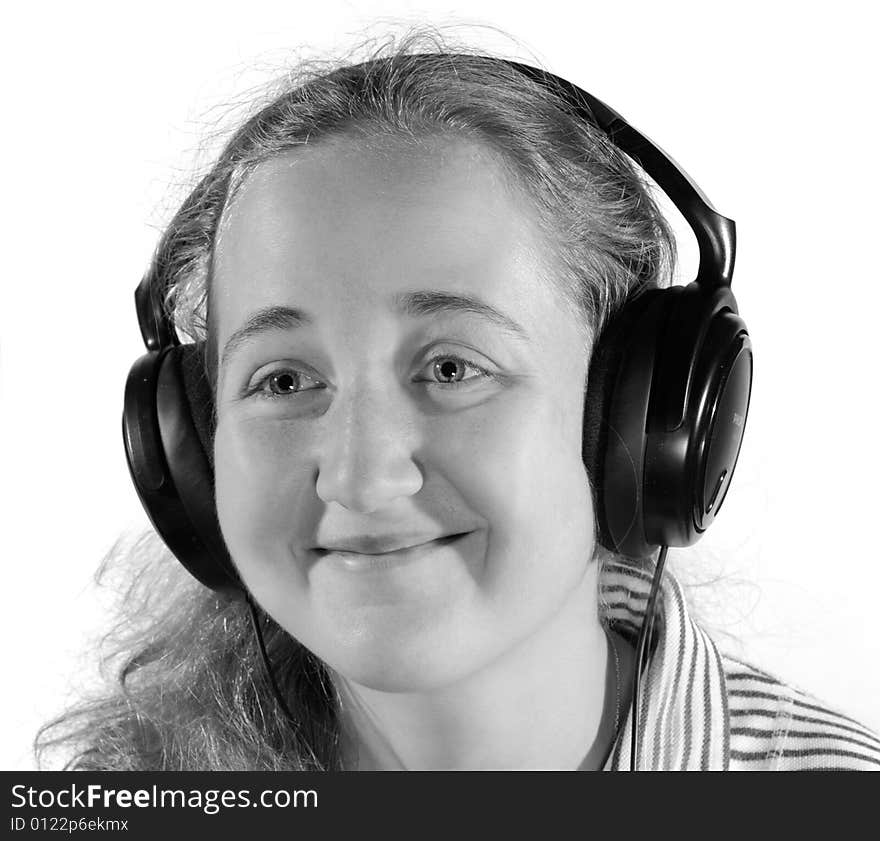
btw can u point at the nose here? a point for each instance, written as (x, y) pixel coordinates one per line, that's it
(366, 451)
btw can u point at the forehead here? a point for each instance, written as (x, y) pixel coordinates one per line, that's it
(343, 228)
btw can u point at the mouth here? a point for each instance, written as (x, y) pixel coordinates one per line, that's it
(357, 561)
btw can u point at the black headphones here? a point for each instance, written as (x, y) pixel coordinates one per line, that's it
(664, 415)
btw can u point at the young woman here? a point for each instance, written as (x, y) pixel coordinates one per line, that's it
(397, 275)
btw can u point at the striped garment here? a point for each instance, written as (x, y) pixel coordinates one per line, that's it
(704, 710)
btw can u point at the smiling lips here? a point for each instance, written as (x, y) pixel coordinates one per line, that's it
(382, 545)
(379, 552)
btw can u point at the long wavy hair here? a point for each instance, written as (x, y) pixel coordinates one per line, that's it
(187, 688)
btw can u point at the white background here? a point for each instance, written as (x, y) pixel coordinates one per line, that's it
(770, 107)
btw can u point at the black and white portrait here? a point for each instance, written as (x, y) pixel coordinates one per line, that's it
(397, 386)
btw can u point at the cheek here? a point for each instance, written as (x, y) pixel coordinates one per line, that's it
(264, 488)
(525, 475)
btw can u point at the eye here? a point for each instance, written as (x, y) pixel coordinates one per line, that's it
(450, 370)
(284, 382)
(444, 371)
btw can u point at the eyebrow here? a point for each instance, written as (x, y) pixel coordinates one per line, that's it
(417, 304)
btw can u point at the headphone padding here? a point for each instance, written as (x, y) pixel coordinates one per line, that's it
(185, 412)
(615, 412)
(199, 396)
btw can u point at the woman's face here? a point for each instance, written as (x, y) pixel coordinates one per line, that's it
(398, 373)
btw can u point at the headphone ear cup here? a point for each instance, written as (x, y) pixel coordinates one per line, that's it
(168, 430)
(697, 416)
(664, 416)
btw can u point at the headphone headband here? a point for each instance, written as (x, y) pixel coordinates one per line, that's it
(715, 234)
(157, 329)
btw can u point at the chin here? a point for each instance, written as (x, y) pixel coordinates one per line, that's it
(392, 667)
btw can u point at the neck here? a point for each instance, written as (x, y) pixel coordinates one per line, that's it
(547, 703)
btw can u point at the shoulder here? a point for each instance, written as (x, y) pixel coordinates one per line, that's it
(776, 727)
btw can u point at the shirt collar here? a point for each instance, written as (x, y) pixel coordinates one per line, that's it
(684, 721)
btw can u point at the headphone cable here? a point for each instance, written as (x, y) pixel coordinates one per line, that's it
(643, 650)
(267, 666)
